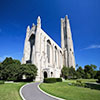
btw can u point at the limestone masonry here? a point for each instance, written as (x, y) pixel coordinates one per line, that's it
(41, 50)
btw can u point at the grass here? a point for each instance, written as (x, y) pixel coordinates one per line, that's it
(10, 91)
(83, 80)
(63, 90)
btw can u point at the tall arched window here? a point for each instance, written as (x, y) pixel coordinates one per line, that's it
(48, 50)
(32, 43)
(56, 54)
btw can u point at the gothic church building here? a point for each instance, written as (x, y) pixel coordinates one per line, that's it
(41, 50)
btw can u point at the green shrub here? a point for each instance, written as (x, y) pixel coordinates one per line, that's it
(49, 80)
(98, 79)
(1, 82)
(79, 84)
(52, 80)
(78, 81)
(59, 79)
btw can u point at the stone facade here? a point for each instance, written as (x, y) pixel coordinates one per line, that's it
(41, 50)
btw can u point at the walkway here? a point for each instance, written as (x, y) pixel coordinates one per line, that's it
(31, 92)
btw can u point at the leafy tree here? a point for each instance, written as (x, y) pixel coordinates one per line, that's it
(93, 66)
(29, 70)
(65, 72)
(80, 72)
(89, 69)
(1, 69)
(11, 69)
(97, 74)
(68, 72)
(17, 62)
(72, 72)
(12, 72)
(7, 61)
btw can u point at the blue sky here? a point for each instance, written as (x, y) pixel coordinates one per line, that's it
(84, 16)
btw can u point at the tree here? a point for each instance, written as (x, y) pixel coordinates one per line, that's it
(7, 61)
(11, 69)
(65, 72)
(90, 69)
(29, 70)
(80, 72)
(68, 72)
(12, 72)
(72, 72)
(93, 66)
(1, 69)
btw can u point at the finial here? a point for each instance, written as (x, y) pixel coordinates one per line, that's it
(39, 22)
(66, 17)
(33, 25)
(28, 28)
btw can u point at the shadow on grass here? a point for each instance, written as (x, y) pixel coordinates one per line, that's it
(93, 86)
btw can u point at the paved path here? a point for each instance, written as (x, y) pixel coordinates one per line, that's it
(31, 92)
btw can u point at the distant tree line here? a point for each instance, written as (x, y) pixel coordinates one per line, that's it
(12, 70)
(88, 72)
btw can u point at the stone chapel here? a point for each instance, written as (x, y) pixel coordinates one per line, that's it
(41, 50)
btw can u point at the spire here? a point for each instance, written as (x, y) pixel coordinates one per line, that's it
(39, 22)
(28, 28)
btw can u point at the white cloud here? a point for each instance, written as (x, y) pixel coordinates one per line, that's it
(92, 47)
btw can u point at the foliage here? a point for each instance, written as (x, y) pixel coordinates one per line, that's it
(97, 74)
(90, 71)
(65, 72)
(59, 79)
(49, 80)
(72, 72)
(12, 70)
(98, 79)
(80, 72)
(79, 83)
(1, 82)
(68, 72)
(29, 70)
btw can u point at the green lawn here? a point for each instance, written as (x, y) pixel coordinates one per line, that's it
(83, 80)
(10, 91)
(63, 90)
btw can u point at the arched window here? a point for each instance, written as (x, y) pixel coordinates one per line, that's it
(48, 50)
(56, 54)
(32, 43)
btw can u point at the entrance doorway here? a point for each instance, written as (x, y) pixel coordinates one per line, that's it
(45, 74)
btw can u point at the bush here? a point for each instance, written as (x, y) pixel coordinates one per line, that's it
(49, 80)
(1, 82)
(98, 79)
(58, 79)
(52, 80)
(78, 81)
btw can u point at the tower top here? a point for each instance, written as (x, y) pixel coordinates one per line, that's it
(28, 28)
(39, 22)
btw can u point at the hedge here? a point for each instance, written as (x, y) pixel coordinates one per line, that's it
(59, 79)
(1, 82)
(52, 80)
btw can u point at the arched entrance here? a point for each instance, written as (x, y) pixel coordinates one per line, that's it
(45, 74)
